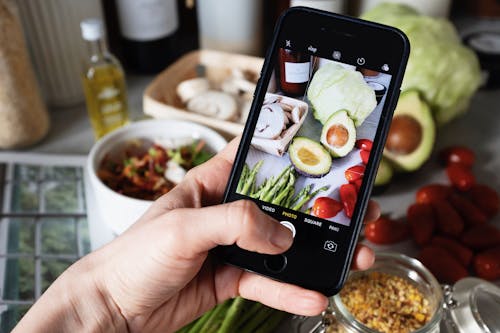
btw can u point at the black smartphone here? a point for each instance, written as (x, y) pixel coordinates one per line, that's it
(314, 138)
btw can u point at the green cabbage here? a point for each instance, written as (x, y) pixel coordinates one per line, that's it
(444, 71)
(335, 88)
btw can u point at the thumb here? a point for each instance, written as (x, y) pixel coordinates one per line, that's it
(242, 223)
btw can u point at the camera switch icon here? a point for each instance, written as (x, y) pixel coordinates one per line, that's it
(330, 246)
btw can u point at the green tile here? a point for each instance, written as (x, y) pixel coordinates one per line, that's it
(25, 197)
(61, 173)
(21, 237)
(61, 197)
(11, 315)
(19, 281)
(84, 235)
(27, 172)
(51, 269)
(58, 236)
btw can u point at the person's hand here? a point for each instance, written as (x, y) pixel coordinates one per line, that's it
(158, 275)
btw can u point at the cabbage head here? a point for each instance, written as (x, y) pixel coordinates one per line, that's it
(444, 71)
(335, 88)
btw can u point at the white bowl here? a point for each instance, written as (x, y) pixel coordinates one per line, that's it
(117, 210)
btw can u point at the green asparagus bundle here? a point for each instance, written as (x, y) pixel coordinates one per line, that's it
(278, 190)
(237, 315)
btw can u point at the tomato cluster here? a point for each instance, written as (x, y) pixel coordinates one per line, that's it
(450, 223)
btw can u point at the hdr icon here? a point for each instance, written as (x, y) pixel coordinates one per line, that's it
(330, 246)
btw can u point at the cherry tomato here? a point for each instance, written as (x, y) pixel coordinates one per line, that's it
(458, 154)
(481, 237)
(357, 184)
(432, 193)
(326, 208)
(365, 156)
(422, 222)
(442, 264)
(348, 196)
(460, 176)
(487, 264)
(471, 214)
(364, 144)
(354, 173)
(386, 231)
(459, 251)
(447, 219)
(485, 198)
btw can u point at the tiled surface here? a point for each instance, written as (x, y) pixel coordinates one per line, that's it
(43, 230)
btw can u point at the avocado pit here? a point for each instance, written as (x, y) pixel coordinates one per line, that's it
(337, 136)
(405, 135)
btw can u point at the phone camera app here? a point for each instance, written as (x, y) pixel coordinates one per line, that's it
(330, 246)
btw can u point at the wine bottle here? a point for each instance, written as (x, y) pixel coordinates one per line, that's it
(294, 72)
(148, 29)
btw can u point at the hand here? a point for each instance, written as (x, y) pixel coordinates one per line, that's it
(158, 275)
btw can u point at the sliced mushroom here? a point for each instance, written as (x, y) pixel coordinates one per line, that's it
(237, 86)
(190, 88)
(286, 107)
(270, 99)
(296, 114)
(271, 122)
(214, 104)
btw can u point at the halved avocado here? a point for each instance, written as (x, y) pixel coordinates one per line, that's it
(309, 157)
(339, 134)
(412, 133)
(384, 173)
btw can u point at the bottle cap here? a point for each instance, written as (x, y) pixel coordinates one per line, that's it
(92, 29)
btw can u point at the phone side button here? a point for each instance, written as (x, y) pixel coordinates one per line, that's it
(276, 263)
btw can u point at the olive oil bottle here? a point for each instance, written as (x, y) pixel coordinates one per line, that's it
(103, 82)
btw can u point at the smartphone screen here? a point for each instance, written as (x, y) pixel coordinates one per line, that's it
(314, 144)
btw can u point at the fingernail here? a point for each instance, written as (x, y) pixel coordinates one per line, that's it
(281, 237)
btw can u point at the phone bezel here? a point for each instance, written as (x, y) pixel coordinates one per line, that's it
(351, 29)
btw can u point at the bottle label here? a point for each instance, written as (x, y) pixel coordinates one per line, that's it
(296, 72)
(146, 20)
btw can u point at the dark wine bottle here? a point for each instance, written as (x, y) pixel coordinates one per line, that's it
(148, 29)
(294, 72)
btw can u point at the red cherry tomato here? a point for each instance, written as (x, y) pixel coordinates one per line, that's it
(460, 176)
(447, 219)
(442, 264)
(432, 193)
(471, 214)
(487, 264)
(481, 237)
(348, 196)
(357, 184)
(485, 198)
(365, 156)
(354, 173)
(386, 231)
(458, 154)
(422, 222)
(459, 251)
(326, 208)
(364, 144)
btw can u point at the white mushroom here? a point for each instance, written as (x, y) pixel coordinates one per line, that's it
(190, 88)
(214, 104)
(271, 121)
(237, 86)
(270, 99)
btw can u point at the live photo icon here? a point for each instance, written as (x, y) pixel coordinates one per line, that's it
(385, 68)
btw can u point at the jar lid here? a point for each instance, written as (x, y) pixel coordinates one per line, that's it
(474, 306)
(486, 44)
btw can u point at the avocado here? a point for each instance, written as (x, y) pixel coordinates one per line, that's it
(339, 134)
(412, 133)
(309, 157)
(384, 173)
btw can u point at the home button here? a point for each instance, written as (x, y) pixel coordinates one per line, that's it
(276, 263)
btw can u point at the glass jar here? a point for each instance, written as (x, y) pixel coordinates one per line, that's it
(471, 305)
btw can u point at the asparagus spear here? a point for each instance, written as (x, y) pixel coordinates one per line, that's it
(257, 319)
(244, 175)
(201, 322)
(283, 180)
(215, 320)
(302, 193)
(256, 306)
(233, 315)
(272, 322)
(251, 177)
(188, 327)
(308, 197)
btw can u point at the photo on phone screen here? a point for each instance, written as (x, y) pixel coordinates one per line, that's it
(314, 133)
